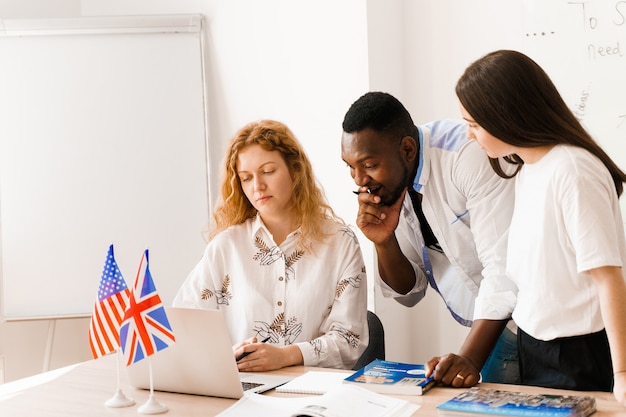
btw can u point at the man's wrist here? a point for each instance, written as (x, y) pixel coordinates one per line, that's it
(467, 358)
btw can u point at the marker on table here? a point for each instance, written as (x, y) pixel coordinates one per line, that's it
(244, 354)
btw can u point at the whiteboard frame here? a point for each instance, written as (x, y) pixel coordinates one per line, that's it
(102, 25)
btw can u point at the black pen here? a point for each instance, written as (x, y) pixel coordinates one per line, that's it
(244, 354)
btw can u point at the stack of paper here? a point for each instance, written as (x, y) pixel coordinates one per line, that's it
(340, 401)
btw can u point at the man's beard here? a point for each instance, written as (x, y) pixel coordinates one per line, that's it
(396, 192)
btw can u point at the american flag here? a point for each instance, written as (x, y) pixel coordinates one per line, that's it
(145, 329)
(108, 311)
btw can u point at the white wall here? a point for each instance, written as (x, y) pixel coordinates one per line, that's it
(304, 63)
(39, 9)
(446, 36)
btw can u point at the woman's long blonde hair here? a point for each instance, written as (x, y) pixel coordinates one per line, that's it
(309, 202)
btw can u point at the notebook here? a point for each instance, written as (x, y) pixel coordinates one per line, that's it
(314, 382)
(201, 361)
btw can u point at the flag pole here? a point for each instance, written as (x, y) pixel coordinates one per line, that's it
(119, 399)
(108, 311)
(152, 406)
(144, 299)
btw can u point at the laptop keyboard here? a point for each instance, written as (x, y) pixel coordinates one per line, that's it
(249, 385)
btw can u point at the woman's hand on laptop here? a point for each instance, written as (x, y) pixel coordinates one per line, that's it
(239, 348)
(255, 356)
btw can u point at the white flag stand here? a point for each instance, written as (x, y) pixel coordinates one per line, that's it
(119, 399)
(152, 406)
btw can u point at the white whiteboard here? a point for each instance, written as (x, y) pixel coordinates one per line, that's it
(582, 46)
(103, 139)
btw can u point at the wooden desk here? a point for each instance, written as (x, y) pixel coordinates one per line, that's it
(81, 390)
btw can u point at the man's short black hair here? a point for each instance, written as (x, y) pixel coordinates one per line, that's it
(381, 112)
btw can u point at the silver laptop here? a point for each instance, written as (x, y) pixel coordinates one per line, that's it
(201, 361)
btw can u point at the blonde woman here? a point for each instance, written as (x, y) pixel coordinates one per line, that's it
(285, 270)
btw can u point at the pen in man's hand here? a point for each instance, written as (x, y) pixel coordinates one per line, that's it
(244, 354)
(359, 192)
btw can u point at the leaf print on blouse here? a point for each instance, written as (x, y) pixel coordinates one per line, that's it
(352, 338)
(346, 230)
(290, 260)
(267, 256)
(347, 282)
(287, 330)
(317, 347)
(222, 296)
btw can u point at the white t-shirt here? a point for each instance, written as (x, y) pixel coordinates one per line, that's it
(566, 221)
(316, 301)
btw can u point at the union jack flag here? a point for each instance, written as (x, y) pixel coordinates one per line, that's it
(108, 311)
(145, 329)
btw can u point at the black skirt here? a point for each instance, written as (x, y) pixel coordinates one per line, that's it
(581, 363)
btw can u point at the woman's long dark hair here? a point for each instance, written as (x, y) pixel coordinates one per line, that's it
(511, 96)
